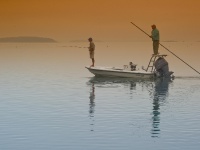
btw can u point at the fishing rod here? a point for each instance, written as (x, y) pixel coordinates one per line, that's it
(166, 49)
(76, 46)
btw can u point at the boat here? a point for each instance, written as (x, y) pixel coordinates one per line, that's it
(119, 72)
(157, 68)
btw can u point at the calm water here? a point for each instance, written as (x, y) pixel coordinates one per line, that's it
(50, 101)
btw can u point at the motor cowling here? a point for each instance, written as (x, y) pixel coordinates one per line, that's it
(162, 68)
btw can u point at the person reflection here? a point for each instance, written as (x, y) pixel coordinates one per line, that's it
(132, 85)
(132, 88)
(159, 96)
(92, 104)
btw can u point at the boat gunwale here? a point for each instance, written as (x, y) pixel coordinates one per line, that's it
(121, 71)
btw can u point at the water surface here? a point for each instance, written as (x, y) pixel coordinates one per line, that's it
(50, 101)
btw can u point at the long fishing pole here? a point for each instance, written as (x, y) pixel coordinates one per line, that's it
(75, 46)
(166, 49)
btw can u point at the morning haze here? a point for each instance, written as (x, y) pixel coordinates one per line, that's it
(66, 20)
(49, 100)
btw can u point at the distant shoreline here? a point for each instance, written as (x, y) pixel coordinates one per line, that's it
(27, 39)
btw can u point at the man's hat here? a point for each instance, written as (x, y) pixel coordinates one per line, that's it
(153, 25)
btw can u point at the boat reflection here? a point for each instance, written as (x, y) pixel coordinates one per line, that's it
(158, 91)
(101, 81)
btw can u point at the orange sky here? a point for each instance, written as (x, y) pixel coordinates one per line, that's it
(66, 20)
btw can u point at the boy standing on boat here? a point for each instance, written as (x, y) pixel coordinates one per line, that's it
(91, 50)
(155, 38)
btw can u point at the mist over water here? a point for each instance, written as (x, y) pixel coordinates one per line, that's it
(50, 101)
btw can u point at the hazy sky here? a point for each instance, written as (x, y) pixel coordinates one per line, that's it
(66, 20)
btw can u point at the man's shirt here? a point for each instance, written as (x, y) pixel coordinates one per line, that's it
(155, 35)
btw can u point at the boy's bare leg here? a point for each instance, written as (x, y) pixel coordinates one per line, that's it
(92, 62)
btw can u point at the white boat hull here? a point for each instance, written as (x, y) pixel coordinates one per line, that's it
(116, 72)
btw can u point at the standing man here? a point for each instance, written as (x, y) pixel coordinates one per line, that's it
(155, 38)
(91, 50)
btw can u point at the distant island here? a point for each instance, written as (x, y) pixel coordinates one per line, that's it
(26, 39)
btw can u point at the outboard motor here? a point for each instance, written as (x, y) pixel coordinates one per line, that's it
(162, 68)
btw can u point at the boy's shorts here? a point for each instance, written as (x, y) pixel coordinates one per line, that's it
(91, 54)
